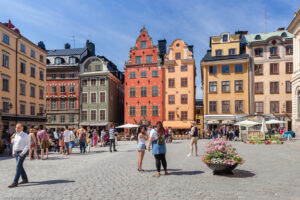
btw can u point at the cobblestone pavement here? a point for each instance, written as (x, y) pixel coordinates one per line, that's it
(270, 172)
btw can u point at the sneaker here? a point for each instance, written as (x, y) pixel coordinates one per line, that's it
(189, 155)
(13, 185)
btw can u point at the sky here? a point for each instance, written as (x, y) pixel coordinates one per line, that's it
(114, 25)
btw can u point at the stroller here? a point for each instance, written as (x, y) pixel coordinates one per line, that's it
(106, 140)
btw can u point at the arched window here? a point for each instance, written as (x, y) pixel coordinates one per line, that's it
(73, 60)
(283, 34)
(257, 37)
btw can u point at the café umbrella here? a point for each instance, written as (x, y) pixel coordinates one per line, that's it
(129, 126)
(247, 124)
(275, 121)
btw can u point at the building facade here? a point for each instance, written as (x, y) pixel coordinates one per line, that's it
(294, 28)
(144, 81)
(179, 86)
(225, 80)
(271, 72)
(63, 85)
(199, 116)
(101, 93)
(22, 75)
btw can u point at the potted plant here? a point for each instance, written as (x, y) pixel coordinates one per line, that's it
(221, 157)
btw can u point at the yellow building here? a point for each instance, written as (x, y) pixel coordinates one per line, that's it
(22, 75)
(225, 80)
(199, 115)
(179, 86)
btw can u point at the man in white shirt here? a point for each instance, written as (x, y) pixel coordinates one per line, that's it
(20, 148)
(67, 140)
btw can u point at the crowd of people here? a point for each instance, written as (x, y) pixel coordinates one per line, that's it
(229, 133)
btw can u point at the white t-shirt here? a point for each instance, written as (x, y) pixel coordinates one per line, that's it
(72, 136)
(67, 136)
(154, 134)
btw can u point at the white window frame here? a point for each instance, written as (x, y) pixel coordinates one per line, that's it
(104, 115)
(91, 97)
(91, 114)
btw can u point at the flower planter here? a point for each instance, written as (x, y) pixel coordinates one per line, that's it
(221, 168)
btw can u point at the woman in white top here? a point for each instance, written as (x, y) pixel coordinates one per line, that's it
(141, 147)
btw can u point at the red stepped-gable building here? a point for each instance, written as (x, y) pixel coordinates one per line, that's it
(144, 81)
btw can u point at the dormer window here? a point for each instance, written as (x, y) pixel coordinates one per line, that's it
(225, 38)
(72, 60)
(257, 37)
(143, 44)
(218, 52)
(58, 61)
(283, 34)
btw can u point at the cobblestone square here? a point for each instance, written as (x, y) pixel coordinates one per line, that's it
(270, 172)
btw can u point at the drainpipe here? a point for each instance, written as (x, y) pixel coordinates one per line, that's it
(16, 99)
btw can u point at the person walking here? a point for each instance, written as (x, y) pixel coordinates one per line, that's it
(102, 137)
(166, 135)
(95, 138)
(72, 141)
(112, 132)
(89, 138)
(141, 146)
(33, 145)
(158, 147)
(81, 134)
(20, 148)
(43, 140)
(61, 140)
(67, 140)
(194, 140)
(170, 135)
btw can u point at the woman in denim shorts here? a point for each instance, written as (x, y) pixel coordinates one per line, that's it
(141, 147)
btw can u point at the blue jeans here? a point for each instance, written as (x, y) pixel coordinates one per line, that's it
(166, 138)
(82, 147)
(20, 169)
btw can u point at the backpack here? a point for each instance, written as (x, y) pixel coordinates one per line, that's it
(160, 139)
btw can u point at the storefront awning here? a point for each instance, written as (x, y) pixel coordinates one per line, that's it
(178, 124)
(93, 123)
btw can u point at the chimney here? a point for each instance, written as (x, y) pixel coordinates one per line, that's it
(91, 48)
(162, 47)
(241, 32)
(67, 46)
(280, 29)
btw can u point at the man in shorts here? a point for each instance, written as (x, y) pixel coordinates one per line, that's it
(194, 140)
(43, 140)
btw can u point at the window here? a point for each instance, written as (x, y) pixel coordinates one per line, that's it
(72, 60)
(84, 115)
(138, 60)
(71, 89)
(155, 91)
(5, 59)
(171, 99)
(62, 75)
(5, 84)
(225, 106)
(53, 90)
(274, 87)
(225, 38)
(239, 85)
(183, 68)
(198, 121)
(22, 108)
(154, 73)
(171, 83)
(5, 38)
(212, 106)
(177, 56)
(102, 115)
(288, 105)
(32, 109)
(132, 92)
(218, 52)
(258, 52)
(259, 107)
(225, 69)
(171, 115)
(53, 104)
(102, 81)
(58, 61)
(154, 110)
(288, 87)
(274, 69)
(184, 99)
(93, 114)
(143, 91)
(132, 111)
(32, 53)
(23, 48)
(212, 69)
(84, 82)
(238, 68)
(41, 58)
(93, 97)
(84, 97)
(53, 119)
(32, 90)
(257, 37)
(32, 71)
(239, 106)
(225, 86)
(99, 67)
(143, 44)
(5, 106)
(23, 67)
(289, 67)
(171, 69)
(289, 50)
(231, 52)
(62, 104)
(149, 59)
(273, 51)
(274, 106)
(143, 110)
(143, 74)
(62, 89)
(258, 69)
(22, 88)
(183, 115)
(259, 87)
(53, 76)
(41, 109)
(41, 93)
(71, 104)
(71, 118)
(102, 97)
(132, 75)
(94, 82)
(184, 82)
(41, 74)
(213, 87)
(62, 119)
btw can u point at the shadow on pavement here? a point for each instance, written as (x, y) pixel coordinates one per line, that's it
(238, 173)
(5, 157)
(51, 182)
(57, 158)
(169, 170)
(179, 173)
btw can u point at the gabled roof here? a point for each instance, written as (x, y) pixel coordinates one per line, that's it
(265, 36)
(66, 52)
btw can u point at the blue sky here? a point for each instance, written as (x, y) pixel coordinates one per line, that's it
(113, 25)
